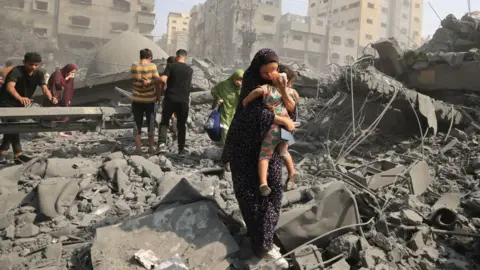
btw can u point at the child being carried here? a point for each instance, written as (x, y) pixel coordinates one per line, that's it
(272, 99)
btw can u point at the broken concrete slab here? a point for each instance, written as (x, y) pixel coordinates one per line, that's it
(193, 230)
(110, 167)
(8, 179)
(48, 192)
(67, 196)
(421, 178)
(385, 178)
(70, 168)
(146, 168)
(333, 209)
(308, 257)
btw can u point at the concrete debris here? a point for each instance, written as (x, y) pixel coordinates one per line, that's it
(388, 188)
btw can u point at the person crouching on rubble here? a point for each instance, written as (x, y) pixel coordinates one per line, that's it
(145, 76)
(17, 91)
(61, 85)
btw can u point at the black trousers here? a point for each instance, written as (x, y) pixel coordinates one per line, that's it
(181, 111)
(11, 139)
(143, 109)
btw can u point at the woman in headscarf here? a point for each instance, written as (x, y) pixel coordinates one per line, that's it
(242, 147)
(226, 93)
(61, 84)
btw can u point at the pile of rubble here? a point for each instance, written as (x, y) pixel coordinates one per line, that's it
(388, 172)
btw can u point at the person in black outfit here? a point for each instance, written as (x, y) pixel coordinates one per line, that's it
(178, 79)
(17, 91)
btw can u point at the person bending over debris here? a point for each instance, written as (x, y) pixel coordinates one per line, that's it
(20, 84)
(273, 97)
(144, 76)
(61, 85)
(227, 93)
(178, 79)
(242, 147)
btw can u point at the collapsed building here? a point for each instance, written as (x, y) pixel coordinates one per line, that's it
(388, 162)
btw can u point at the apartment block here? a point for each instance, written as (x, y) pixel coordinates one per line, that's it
(81, 26)
(177, 31)
(300, 39)
(41, 14)
(196, 30)
(220, 27)
(356, 24)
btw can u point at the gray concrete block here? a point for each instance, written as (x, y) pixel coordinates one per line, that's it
(192, 230)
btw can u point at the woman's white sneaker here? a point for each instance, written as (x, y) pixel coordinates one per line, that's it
(275, 255)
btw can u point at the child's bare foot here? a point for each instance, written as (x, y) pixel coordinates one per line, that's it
(265, 190)
(290, 184)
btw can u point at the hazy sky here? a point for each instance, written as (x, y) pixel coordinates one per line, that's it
(430, 20)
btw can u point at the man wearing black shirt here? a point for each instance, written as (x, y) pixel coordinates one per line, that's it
(17, 91)
(178, 78)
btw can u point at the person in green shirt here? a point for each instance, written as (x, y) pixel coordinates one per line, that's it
(227, 94)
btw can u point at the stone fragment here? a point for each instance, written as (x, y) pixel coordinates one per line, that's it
(121, 180)
(307, 257)
(349, 245)
(416, 242)
(110, 167)
(67, 196)
(193, 230)
(383, 242)
(28, 230)
(48, 192)
(26, 218)
(122, 206)
(5, 221)
(116, 155)
(371, 256)
(421, 178)
(340, 265)
(382, 226)
(411, 218)
(146, 167)
(10, 232)
(459, 134)
(54, 252)
(85, 221)
(431, 253)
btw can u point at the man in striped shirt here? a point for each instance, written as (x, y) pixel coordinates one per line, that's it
(145, 77)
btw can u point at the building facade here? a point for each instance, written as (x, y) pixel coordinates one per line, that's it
(356, 24)
(82, 26)
(222, 29)
(177, 31)
(300, 39)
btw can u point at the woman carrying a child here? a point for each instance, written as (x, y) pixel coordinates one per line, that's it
(242, 149)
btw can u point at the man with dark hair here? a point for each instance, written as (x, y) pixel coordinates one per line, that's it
(178, 79)
(171, 60)
(20, 84)
(144, 76)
